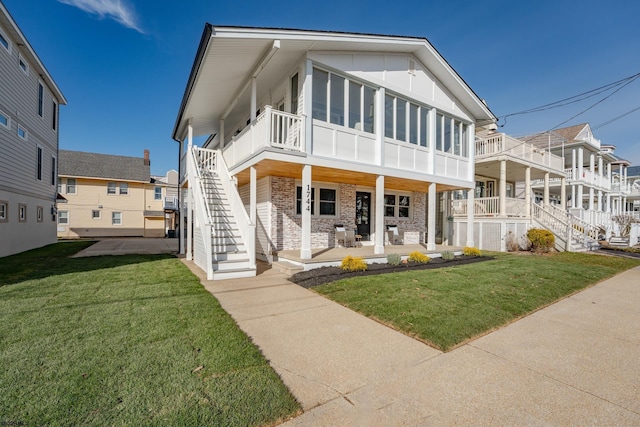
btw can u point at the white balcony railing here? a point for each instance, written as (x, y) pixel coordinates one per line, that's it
(490, 207)
(271, 129)
(504, 144)
(171, 203)
(589, 178)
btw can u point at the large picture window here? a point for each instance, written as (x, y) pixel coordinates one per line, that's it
(406, 121)
(349, 103)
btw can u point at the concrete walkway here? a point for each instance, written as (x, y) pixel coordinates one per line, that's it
(130, 245)
(576, 362)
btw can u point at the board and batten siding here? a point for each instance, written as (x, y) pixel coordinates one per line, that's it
(264, 246)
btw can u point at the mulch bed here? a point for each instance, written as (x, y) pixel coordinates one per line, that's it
(322, 275)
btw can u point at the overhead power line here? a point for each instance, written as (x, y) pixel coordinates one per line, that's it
(615, 118)
(576, 98)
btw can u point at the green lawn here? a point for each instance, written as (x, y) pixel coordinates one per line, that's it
(125, 340)
(448, 306)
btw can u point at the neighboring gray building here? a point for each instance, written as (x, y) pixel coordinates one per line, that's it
(29, 132)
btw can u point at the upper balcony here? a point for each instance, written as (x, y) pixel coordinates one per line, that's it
(501, 144)
(272, 129)
(170, 203)
(593, 179)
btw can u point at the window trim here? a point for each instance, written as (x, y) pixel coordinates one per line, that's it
(5, 217)
(40, 109)
(155, 192)
(54, 119)
(94, 216)
(66, 217)
(4, 36)
(111, 185)
(22, 212)
(25, 136)
(21, 62)
(119, 218)
(74, 186)
(397, 206)
(39, 167)
(124, 185)
(54, 175)
(39, 213)
(5, 115)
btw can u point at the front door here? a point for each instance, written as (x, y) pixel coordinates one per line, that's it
(363, 214)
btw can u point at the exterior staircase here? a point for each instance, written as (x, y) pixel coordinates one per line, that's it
(223, 236)
(571, 233)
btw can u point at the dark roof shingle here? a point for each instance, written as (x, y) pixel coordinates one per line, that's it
(105, 166)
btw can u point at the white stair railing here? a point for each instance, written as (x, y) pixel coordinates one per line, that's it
(214, 160)
(202, 212)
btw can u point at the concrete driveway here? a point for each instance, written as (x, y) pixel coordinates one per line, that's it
(576, 362)
(130, 245)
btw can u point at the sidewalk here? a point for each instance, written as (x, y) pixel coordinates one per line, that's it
(573, 363)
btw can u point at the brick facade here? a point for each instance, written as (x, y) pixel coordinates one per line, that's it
(286, 226)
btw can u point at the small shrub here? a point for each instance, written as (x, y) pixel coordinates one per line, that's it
(418, 257)
(448, 255)
(471, 251)
(542, 241)
(394, 259)
(350, 263)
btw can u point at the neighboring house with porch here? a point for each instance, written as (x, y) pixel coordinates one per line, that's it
(104, 195)
(29, 133)
(310, 130)
(167, 186)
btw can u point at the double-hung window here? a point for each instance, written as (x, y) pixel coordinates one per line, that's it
(111, 188)
(124, 188)
(157, 193)
(116, 218)
(71, 186)
(63, 217)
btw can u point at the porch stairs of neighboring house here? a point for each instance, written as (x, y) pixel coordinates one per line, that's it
(229, 255)
(571, 233)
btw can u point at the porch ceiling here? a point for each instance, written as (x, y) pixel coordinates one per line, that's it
(341, 176)
(515, 170)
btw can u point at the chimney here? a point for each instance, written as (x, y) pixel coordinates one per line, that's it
(147, 162)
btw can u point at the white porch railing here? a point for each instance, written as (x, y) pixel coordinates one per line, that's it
(171, 203)
(272, 128)
(489, 207)
(504, 144)
(591, 178)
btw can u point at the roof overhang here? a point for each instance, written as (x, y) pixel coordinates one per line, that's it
(228, 57)
(30, 55)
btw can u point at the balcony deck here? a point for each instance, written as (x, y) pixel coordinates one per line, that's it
(502, 144)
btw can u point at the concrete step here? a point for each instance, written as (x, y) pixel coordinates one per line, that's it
(234, 274)
(286, 267)
(232, 264)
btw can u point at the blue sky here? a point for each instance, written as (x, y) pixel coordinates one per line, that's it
(123, 64)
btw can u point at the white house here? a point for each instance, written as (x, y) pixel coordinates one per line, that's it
(310, 130)
(29, 131)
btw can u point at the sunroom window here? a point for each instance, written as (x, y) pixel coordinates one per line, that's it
(350, 103)
(406, 121)
(451, 136)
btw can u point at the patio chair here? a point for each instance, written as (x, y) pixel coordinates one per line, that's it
(394, 235)
(350, 238)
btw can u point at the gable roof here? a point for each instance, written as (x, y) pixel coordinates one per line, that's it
(103, 166)
(555, 138)
(571, 133)
(223, 51)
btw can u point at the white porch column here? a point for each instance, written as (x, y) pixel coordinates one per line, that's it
(624, 205)
(252, 194)
(573, 196)
(379, 223)
(471, 199)
(592, 163)
(591, 198)
(580, 165)
(574, 164)
(431, 217)
(503, 188)
(527, 190)
(600, 201)
(305, 247)
(545, 195)
(609, 207)
(254, 99)
(600, 170)
(579, 196)
(563, 193)
(446, 200)
(619, 205)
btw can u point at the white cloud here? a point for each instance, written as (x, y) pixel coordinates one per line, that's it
(113, 9)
